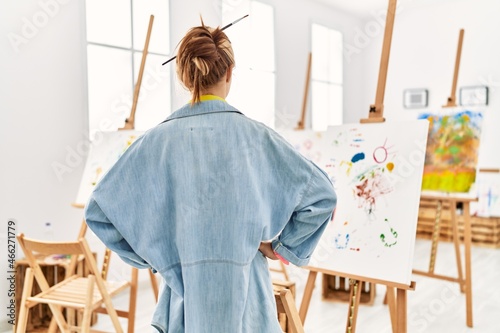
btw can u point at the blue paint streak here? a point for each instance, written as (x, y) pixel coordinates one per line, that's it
(358, 157)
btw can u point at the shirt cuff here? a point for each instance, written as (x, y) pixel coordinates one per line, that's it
(282, 251)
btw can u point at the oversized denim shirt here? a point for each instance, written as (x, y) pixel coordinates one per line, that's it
(193, 198)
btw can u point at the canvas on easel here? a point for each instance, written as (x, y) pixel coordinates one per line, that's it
(104, 151)
(452, 149)
(376, 170)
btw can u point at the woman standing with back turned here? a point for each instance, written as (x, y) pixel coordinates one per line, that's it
(196, 198)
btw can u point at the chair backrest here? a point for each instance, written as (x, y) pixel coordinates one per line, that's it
(73, 249)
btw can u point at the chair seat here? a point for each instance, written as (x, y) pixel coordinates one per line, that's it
(72, 292)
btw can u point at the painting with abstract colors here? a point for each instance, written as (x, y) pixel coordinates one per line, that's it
(376, 170)
(452, 150)
(105, 150)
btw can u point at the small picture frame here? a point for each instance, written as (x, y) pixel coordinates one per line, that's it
(473, 95)
(415, 98)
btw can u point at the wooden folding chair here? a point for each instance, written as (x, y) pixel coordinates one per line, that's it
(286, 304)
(84, 294)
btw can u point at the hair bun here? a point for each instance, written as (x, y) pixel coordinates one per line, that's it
(203, 58)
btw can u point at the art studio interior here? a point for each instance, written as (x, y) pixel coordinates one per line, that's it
(340, 173)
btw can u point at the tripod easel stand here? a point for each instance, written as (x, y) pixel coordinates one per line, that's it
(464, 278)
(396, 293)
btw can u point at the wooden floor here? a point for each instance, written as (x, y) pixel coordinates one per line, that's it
(435, 306)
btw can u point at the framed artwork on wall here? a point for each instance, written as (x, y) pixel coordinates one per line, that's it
(415, 98)
(473, 95)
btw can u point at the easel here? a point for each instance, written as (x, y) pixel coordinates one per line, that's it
(464, 279)
(397, 300)
(452, 100)
(130, 125)
(302, 121)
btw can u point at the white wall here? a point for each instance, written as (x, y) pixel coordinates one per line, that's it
(42, 117)
(423, 54)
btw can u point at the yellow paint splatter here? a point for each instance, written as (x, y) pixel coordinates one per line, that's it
(390, 166)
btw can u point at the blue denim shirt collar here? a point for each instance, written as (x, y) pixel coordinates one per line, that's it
(212, 106)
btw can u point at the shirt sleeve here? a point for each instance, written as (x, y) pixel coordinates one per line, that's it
(99, 223)
(303, 231)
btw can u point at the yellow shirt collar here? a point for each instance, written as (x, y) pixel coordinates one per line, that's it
(204, 98)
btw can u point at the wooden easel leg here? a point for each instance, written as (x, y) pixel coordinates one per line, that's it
(132, 301)
(401, 306)
(306, 298)
(353, 306)
(154, 284)
(456, 243)
(435, 236)
(468, 268)
(391, 302)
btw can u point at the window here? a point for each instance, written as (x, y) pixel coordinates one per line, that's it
(326, 78)
(116, 33)
(254, 76)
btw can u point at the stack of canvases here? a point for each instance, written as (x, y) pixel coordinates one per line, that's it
(450, 166)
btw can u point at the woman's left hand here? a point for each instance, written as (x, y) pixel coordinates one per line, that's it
(267, 250)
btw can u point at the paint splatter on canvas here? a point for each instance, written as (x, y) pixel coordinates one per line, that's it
(487, 189)
(452, 150)
(104, 151)
(376, 170)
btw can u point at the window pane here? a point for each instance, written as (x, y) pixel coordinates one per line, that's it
(335, 56)
(109, 87)
(319, 70)
(336, 105)
(239, 35)
(327, 77)
(327, 105)
(262, 32)
(153, 105)
(258, 102)
(109, 22)
(253, 86)
(159, 41)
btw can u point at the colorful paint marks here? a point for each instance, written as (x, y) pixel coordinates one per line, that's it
(452, 150)
(487, 189)
(376, 170)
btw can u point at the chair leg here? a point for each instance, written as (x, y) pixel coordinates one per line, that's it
(110, 308)
(52, 326)
(87, 312)
(133, 300)
(57, 314)
(23, 314)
